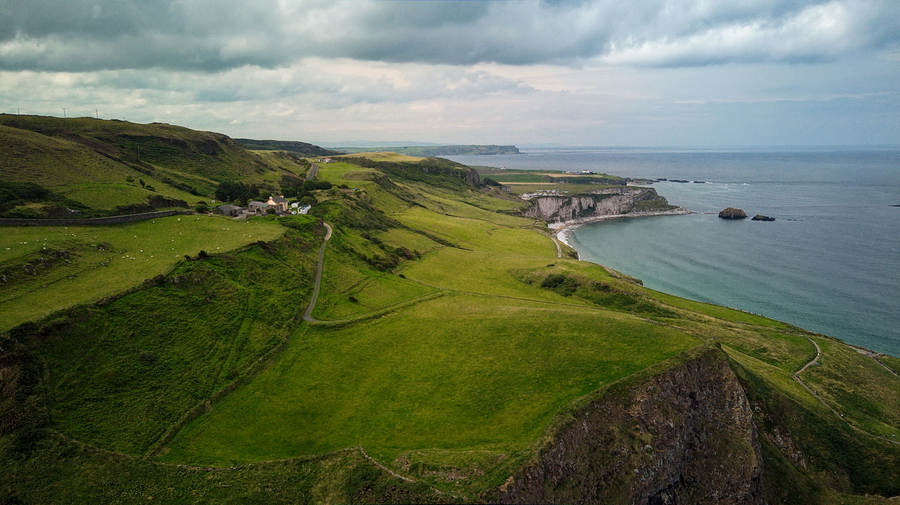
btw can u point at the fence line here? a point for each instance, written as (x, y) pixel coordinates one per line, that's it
(95, 221)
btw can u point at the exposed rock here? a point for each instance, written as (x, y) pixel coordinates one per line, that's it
(732, 213)
(597, 204)
(760, 217)
(685, 435)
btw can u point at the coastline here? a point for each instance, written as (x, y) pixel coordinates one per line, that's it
(564, 229)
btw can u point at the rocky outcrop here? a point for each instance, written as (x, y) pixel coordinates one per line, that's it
(760, 217)
(732, 213)
(596, 204)
(684, 435)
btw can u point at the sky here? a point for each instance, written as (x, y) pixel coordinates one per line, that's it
(645, 73)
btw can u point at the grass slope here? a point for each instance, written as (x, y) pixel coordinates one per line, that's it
(452, 337)
(121, 374)
(51, 268)
(460, 372)
(88, 160)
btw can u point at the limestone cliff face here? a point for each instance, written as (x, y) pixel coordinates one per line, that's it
(683, 436)
(602, 203)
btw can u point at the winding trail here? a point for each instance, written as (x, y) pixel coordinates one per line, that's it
(875, 356)
(815, 361)
(307, 316)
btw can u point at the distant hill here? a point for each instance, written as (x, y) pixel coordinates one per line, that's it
(302, 148)
(104, 164)
(432, 151)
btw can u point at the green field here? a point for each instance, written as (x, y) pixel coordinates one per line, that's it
(449, 345)
(417, 379)
(101, 261)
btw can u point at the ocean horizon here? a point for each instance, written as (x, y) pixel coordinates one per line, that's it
(830, 262)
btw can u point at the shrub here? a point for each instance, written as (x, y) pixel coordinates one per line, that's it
(148, 357)
(560, 283)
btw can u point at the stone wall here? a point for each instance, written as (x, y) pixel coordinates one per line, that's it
(97, 221)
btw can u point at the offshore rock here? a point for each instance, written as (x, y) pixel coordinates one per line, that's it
(732, 213)
(683, 435)
(760, 217)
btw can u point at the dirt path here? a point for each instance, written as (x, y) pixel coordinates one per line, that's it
(876, 356)
(559, 253)
(307, 316)
(815, 361)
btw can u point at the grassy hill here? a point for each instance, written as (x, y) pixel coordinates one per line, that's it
(92, 164)
(303, 149)
(456, 354)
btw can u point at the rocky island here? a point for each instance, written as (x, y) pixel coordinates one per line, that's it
(732, 213)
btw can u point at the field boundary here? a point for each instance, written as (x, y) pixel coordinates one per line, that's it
(95, 221)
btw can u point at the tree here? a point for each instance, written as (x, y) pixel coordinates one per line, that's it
(129, 180)
(229, 191)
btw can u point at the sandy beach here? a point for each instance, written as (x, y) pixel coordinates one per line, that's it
(565, 229)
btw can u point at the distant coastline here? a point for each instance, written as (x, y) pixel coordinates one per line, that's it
(433, 151)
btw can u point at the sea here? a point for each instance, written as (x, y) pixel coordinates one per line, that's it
(829, 262)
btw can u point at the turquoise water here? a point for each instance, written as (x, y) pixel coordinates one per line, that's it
(829, 263)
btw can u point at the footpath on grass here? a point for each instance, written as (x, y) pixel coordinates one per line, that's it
(317, 283)
(307, 316)
(815, 362)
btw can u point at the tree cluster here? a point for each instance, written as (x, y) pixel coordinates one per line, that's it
(13, 195)
(294, 187)
(231, 191)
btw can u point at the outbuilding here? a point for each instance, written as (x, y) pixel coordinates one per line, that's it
(228, 210)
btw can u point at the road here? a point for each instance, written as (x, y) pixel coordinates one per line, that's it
(313, 170)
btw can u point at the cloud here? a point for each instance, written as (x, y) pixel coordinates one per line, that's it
(215, 35)
(815, 33)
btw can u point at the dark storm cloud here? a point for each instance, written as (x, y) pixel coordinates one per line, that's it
(207, 35)
(83, 35)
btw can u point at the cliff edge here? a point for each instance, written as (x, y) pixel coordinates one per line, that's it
(599, 204)
(685, 435)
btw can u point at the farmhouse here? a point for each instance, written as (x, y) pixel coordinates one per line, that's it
(279, 203)
(257, 207)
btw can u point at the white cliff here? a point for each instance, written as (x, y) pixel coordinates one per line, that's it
(606, 203)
